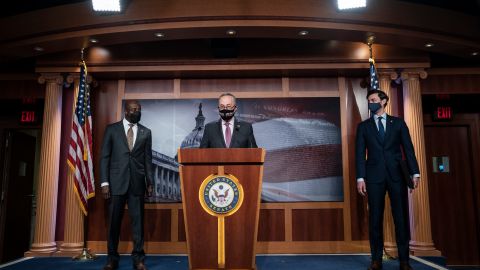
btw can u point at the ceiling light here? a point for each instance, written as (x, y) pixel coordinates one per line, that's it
(106, 5)
(303, 33)
(348, 4)
(38, 49)
(429, 45)
(231, 32)
(474, 53)
(92, 40)
(159, 35)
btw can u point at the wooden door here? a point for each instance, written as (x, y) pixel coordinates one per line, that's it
(454, 194)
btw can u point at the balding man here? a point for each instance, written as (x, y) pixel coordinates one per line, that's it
(228, 132)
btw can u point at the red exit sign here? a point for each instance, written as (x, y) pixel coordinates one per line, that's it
(443, 113)
(27, 117)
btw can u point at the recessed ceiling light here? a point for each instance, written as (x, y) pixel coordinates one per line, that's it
(303, 33)
(38, 49)
(231, 32)
(474, 53)
(92, 40)
(159, 35)
(348, 4)
(106, 5)
(429, 45)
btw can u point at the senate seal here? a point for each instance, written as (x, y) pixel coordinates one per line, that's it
(221, 195)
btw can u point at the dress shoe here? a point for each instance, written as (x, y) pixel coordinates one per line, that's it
(405, 266)
(111, 265)
(139, 266)
(375, 265)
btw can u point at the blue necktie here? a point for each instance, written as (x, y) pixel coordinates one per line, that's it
(381, 129)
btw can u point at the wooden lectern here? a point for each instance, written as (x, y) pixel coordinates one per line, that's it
(221, 191)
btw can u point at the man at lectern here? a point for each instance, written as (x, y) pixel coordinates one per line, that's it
(379, 170)
(228, 132)
(126, 175)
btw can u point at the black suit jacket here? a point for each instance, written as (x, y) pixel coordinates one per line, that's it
(121, 168)
(242, 135)
(383, 160)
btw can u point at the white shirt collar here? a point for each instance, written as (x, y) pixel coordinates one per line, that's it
(384, 115)
(232, 121)
(126, 123)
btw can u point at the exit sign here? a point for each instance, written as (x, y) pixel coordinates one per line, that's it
(28, 117)
(443, 113)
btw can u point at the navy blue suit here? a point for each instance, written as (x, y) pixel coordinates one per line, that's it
(378, 163)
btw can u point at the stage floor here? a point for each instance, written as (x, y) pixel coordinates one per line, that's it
(264, 262)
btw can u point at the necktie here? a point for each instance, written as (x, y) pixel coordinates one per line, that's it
(228, 134)
(130, 137)
(381, 129)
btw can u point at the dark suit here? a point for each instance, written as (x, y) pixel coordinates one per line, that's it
(242, 135)
(127, 173)
(382, 173)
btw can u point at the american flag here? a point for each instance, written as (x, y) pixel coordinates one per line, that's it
(374, 85)
(80, 157)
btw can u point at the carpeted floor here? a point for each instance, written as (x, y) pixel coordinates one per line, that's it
(270, 262)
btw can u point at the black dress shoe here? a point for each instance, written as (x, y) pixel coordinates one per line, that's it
(111, 265)
(405, 266)
(139, 266)
(375, 265)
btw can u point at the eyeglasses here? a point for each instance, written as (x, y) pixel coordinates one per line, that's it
(228, 107)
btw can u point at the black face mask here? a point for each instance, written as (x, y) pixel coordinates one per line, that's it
(134, 117)
(374, 107)
(226, 115)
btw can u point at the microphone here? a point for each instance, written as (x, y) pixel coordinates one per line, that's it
(237, 127)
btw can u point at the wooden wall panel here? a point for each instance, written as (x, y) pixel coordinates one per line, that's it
(104, 110)
(358, 204)
(317, 225)
(158, 225)
(22, 89)
(148, 86)
(271, 225)
(321, 224)
(451, 84)
(313, 84)
(182, 236)
(231, 85)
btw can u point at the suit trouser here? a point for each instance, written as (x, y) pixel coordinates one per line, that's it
(398, 193)
(136, 213)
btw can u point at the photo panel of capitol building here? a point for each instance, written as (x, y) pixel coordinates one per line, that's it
(302, 138)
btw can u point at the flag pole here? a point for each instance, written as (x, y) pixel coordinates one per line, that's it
(370, 40)
(86, 254)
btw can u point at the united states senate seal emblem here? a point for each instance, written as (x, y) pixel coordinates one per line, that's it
(221, 195)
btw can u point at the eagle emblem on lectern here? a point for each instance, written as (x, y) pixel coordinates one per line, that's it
(220, 194)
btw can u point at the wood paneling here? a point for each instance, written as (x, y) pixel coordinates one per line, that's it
(148, 86)
(358, 205)
(104, 110)
(158, 225)
(313, 84)
(271, 226)
(451, 84)
(454, 195)
(231, 85)
(317, 225)
(182, 237)
(313, 226)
